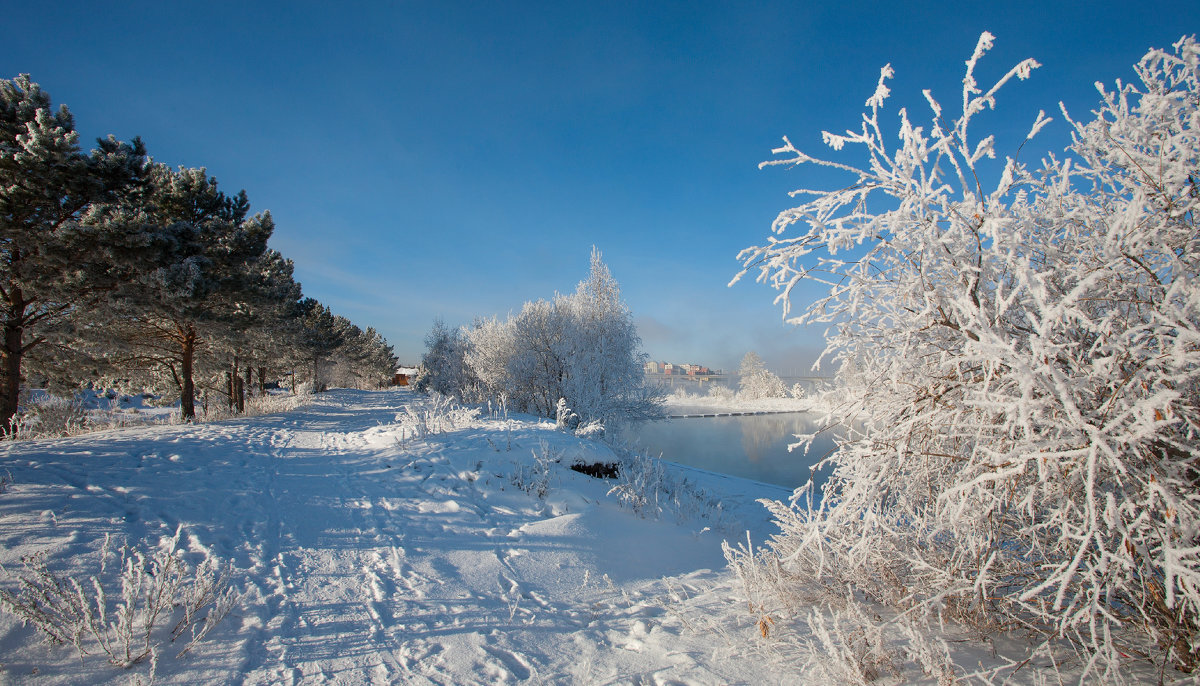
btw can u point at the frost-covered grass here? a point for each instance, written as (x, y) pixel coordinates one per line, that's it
(256, 406)
(49, 416)
(137, 605)
(652, 488)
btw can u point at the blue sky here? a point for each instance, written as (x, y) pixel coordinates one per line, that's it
(453, 160)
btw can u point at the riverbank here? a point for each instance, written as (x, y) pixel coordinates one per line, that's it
(706, 406)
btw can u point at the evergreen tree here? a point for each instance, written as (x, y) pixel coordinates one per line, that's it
(193, 277)
(47, 184)
(364, 359)
(320, 336)
(259, 326)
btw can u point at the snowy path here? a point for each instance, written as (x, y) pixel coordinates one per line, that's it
(367, 559)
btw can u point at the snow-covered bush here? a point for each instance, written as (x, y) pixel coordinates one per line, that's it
(640, 484)
(681, 393)
(722, 392)
(43, 415)
(797, 390)
(444, 367)
(582, 347)
(148, 600)
(565, 418)
(437, 414)
(255, 406)
(1021, 362)
(756, 381)
(592, 429)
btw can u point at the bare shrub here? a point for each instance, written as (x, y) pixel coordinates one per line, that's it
(721, 392)
(534, 478)
(256, 406)
(147, 600)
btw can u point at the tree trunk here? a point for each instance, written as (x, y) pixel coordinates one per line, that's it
(316, 364)
(10, 384)
(237, 396)
(262, 381)
(187, 393)
(229, 387)
(249, 379)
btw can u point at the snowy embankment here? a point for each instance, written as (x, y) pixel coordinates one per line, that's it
(372, 550)
(701, 405)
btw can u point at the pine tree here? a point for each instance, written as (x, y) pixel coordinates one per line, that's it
(47, 265)
(364, 358)
(320, 336)
(260, 326)
(191, 280)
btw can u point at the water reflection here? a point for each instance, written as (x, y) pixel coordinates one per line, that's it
(751, 447)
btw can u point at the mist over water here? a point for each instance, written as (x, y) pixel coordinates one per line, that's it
(750, 446)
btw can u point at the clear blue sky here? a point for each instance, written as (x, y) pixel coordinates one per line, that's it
(447, 159)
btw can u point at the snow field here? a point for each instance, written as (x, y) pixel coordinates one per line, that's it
(367, 555)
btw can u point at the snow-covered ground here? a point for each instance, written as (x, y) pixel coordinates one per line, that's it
(374, 541)
(366, 555)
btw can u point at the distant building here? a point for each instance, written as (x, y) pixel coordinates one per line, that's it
(404, 376)
(671, 369)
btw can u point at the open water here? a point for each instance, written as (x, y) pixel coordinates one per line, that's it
(747, 446)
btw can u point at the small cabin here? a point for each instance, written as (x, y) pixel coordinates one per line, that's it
(404, 376)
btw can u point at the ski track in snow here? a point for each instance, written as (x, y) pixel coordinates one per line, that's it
(364, 559)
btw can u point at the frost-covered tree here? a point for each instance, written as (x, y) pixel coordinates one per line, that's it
(1025, 356)
(756, 381)
(257, 330)
(444, 367)
(607, 378)
(190, 275)
(363, 360)
(273, 315)
(48, 264)
(582, 347)
(321, 333)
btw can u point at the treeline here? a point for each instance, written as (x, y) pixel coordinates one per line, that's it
(117, 270)
(581, 348)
